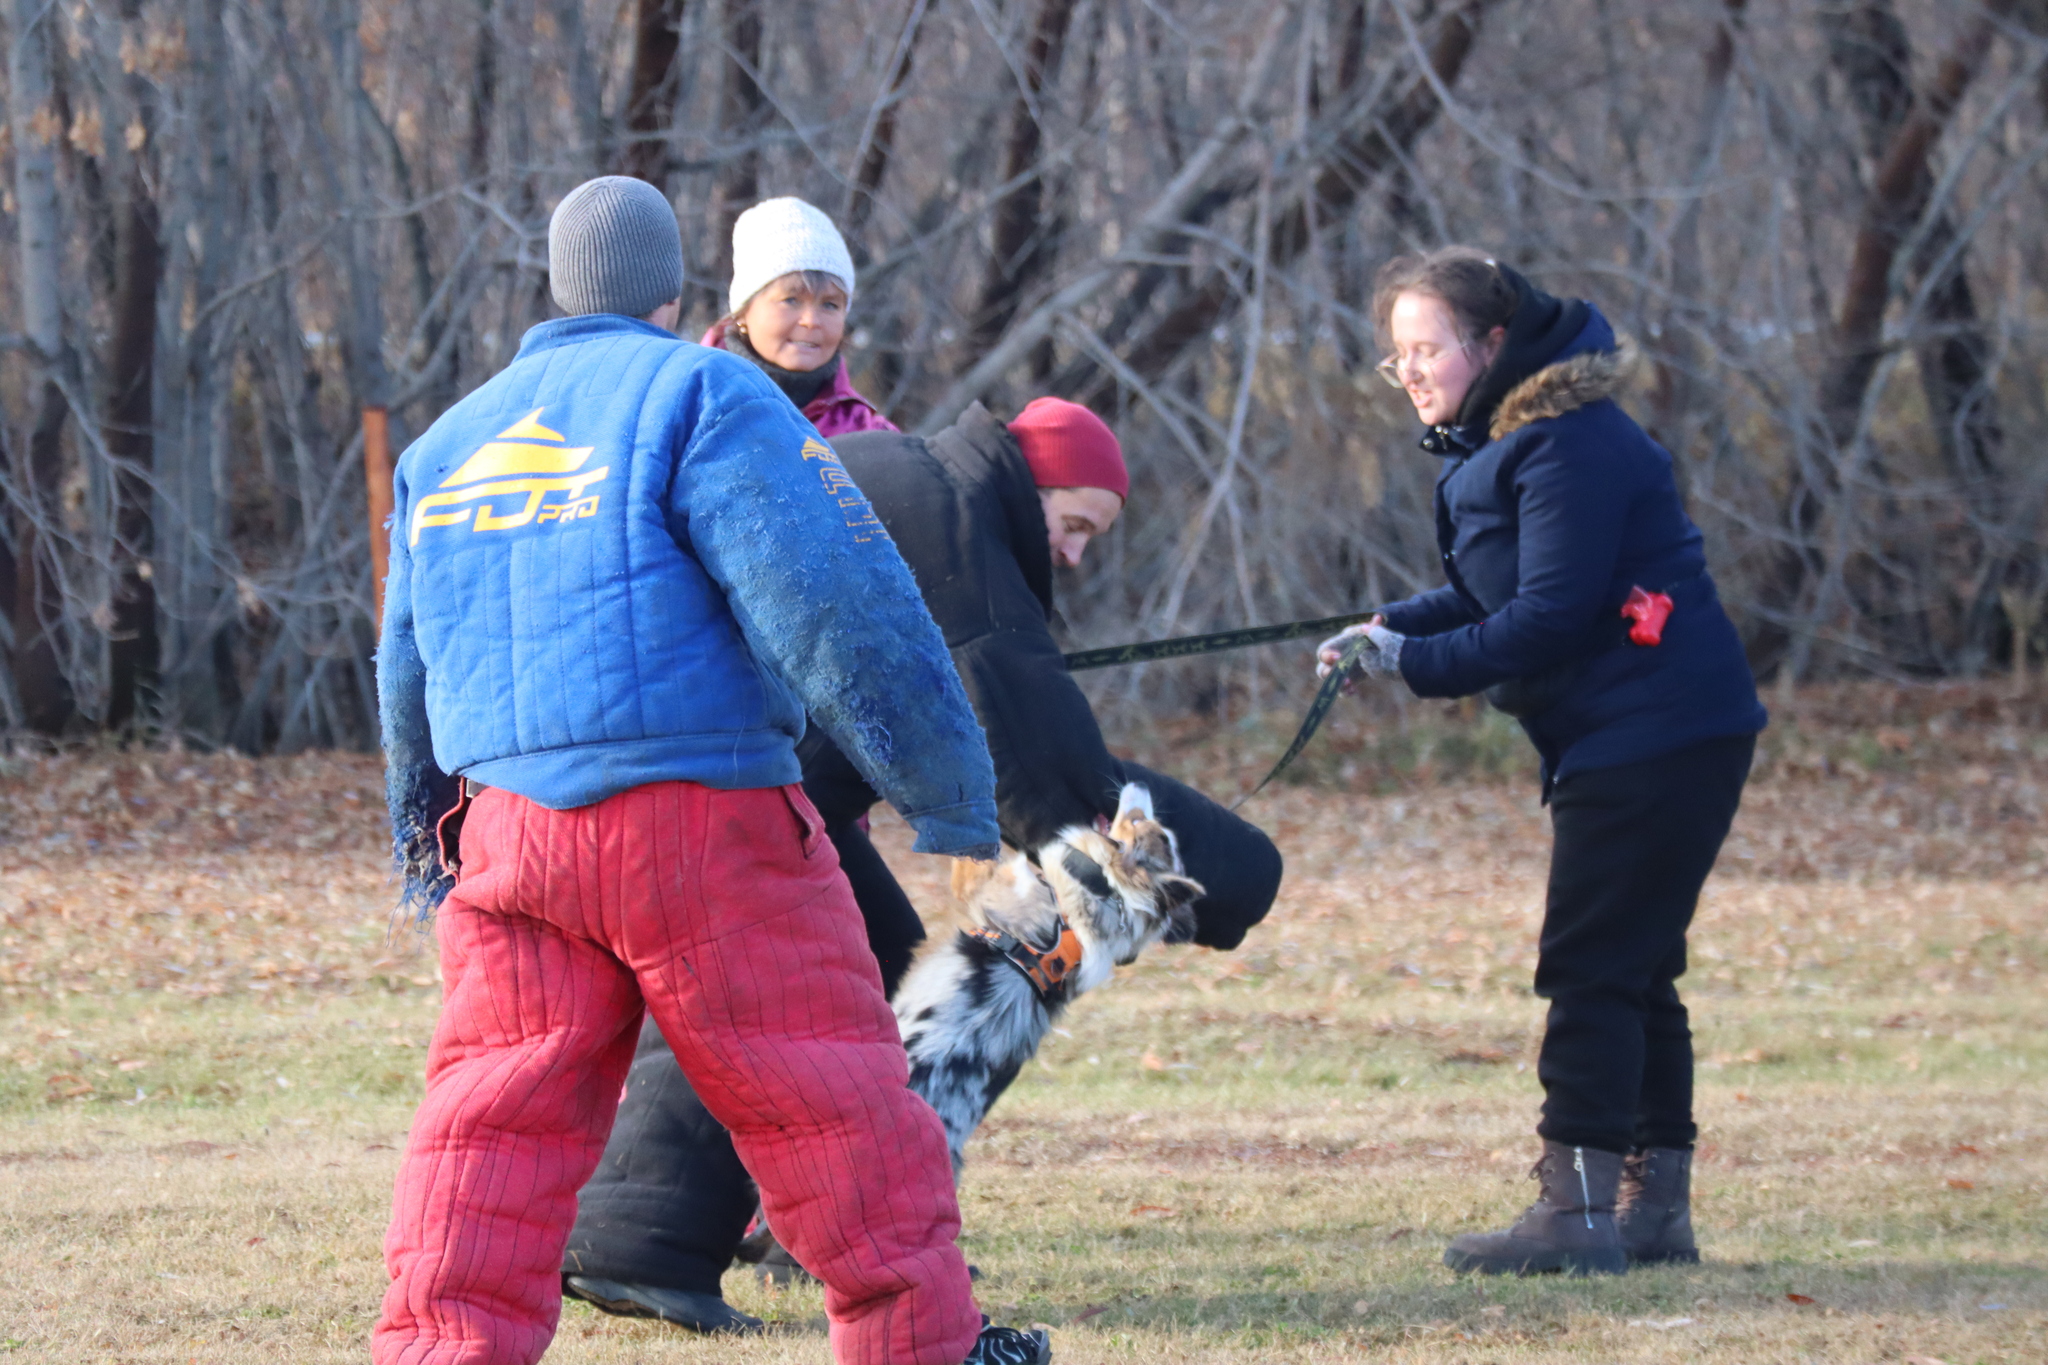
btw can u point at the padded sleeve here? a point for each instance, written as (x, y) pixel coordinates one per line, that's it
(823, 598)
(417, 793)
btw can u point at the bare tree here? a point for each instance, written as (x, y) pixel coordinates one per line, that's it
(45, 697)
(131, 392)
(650, 102)
(1019, 247)
(247, 237)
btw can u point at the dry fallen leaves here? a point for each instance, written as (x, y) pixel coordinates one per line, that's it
(203, 875)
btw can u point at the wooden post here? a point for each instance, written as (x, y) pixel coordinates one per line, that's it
(377, 480)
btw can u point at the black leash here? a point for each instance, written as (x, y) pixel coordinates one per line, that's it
(1326, 697)
(1183, 646)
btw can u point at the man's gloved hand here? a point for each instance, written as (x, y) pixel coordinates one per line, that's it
(1380, 659)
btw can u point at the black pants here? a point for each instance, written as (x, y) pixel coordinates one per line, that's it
(1633, 845)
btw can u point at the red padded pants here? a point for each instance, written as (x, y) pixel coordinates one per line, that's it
(726, 913)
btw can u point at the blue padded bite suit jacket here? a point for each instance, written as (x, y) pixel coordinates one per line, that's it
(627, 559)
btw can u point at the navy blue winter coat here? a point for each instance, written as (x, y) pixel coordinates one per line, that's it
(1551, 506)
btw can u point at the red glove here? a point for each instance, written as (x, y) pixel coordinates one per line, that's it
(1649, 611)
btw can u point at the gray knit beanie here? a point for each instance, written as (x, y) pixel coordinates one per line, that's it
(614, 247)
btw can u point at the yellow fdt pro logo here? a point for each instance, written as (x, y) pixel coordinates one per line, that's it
(525, 463)
(839, 486)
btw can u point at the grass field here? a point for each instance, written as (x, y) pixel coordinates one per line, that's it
(209, 1055)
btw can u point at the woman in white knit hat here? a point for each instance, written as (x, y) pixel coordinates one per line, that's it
(792, 282)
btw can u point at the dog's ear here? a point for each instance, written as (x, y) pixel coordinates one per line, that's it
(1177, 896)
(1087, 872)
(1175, 891)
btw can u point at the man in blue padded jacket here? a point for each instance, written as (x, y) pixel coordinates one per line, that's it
(622, 571)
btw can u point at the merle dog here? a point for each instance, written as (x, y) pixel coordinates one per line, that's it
(976, 1003)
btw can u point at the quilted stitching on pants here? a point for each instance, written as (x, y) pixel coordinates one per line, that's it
(753, 960)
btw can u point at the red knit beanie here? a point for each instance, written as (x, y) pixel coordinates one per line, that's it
(1068, 446)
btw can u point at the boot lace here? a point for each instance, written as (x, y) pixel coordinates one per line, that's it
(1635, 1175)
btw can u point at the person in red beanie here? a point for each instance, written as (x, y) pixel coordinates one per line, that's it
(1078, 465)
(981, 512)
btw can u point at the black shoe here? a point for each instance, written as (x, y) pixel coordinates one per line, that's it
(1569, 1228)
(759, 1242)
(1008, 1346)
(776, 1266)
(1653, 1209)
(706, 1313)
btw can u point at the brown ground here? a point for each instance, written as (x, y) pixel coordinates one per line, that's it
(209, 1052)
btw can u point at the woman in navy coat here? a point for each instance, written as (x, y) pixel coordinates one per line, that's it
(1577, 599)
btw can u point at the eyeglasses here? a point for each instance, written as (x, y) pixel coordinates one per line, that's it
(1390, 368)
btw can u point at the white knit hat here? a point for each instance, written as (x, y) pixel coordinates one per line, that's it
(779, 237)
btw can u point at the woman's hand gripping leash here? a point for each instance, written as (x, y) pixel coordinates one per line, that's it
(1370, 650)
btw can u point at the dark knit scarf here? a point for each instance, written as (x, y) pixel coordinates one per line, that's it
(801, 386)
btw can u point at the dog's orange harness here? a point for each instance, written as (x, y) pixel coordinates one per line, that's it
(1046, 968)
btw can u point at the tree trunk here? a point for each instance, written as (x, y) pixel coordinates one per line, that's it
(200, 689)
(1893, 207)
(1897, 199)
(1869, 46)
(594, 152)
(878, 139)
(46, 697)
(1677, 397)
(650, 105)
(365, 316)
(131, 416)
(1019, 249)
(742, 112)
(483, 95)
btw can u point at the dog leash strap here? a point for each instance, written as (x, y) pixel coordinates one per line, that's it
(1326, 697)
(1182, 646)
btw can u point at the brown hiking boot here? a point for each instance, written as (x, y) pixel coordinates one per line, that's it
(1569, 1228)
(1654, 1207)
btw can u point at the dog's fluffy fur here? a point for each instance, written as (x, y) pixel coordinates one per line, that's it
(970, 1019)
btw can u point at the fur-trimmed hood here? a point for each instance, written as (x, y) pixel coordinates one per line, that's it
(1573, 382)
